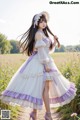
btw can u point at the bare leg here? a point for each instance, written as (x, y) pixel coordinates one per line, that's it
(46, 99)
(35, 113)
(46, 96)
(34, 110)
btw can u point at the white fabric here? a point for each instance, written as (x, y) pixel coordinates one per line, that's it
(40, 43)
(36, 18)
(42, 55)
(43, 49)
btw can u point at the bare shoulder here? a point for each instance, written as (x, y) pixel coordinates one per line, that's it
(38, 36)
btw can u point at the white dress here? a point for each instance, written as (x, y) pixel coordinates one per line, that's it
(27, 84)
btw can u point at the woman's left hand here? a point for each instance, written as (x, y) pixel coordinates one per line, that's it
(55, 38)
(56, 41)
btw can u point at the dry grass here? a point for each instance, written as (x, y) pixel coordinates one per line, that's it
(18, 59)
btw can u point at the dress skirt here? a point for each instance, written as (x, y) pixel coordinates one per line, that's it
(27, 84)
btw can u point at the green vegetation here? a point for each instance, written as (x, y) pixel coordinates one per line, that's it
(72, 72)
(8, 46)
(5, 45)
(9, 63)
(12, 46)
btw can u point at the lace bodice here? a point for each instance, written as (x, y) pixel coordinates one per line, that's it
(45, 42)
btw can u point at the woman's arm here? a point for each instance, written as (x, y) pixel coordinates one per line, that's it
(42, 55)
(54, 43)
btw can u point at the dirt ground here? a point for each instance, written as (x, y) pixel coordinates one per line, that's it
(24, 114)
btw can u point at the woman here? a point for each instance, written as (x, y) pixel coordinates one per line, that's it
(38, 79)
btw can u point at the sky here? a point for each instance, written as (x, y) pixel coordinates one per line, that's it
(16, 17)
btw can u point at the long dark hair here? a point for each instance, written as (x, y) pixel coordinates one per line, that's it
(27, 40)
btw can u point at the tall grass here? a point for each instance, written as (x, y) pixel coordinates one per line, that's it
(8, 66)
(72, 72)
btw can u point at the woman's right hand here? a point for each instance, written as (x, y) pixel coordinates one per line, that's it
(47, 69)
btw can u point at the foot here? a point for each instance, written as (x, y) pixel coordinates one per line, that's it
(48, 116)
(33, 115)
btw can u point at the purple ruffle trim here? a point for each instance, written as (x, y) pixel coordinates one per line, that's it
(45, 40)
(22, 97)
(68, 95)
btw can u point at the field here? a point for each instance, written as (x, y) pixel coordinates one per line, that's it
(66, 62)
(13, 61)
(9, 63)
